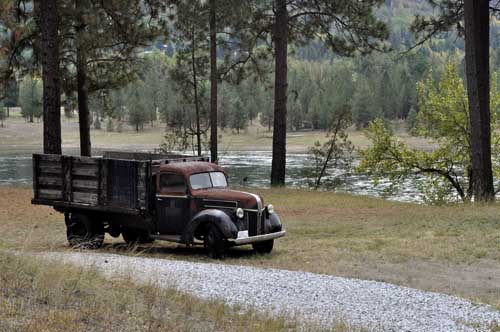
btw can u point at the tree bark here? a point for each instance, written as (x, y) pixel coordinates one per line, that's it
(196, 101)
(81, 82)
(213, 83)
(49, 25)
(280, 38)
(476, 17)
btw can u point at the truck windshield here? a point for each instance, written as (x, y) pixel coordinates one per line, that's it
(208, 180)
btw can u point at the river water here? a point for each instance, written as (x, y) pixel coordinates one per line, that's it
(249, 169)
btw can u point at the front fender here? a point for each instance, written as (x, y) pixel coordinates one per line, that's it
(214, 216)
(273, 224)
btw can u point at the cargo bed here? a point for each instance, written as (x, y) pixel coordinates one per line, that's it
(103, 184)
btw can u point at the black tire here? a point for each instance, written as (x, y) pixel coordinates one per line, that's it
(133, 237)
(264, 247)
(213, 241)
(83, 232)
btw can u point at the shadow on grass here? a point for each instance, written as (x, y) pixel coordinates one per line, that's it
(172, 251)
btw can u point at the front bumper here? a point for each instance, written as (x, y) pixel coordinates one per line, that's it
(245, 239)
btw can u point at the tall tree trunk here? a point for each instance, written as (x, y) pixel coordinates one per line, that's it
(280, 38)
(32, 90)
(49, 24)
(196, 102)
(213, 83)
(81, 82)
(476, 17)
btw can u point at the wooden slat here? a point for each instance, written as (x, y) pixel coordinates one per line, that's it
(104, 182)
(49, 194)
(85, 161)
(67, 164)
(87, 184)
(85, 170)
(49, 157)
(35, 175)
(47, 180)
(49, 168)
(87, 198)
(99, 183)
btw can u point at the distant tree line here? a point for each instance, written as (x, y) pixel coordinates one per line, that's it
(86, 51)
(373, 86)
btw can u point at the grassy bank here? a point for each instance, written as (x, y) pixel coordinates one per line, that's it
(42, 298)
(19, 136)
(451, 249)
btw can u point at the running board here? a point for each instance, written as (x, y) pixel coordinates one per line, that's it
(169, 238)
(172, 238)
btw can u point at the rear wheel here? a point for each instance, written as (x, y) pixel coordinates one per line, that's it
(213, 241)
(132, 237)
(264, 247)
(84, 233)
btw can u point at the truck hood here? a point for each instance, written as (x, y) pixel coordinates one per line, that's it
(245, 200)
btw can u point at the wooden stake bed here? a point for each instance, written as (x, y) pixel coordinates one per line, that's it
(116, 185)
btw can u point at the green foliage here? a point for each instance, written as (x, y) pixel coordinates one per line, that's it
(224, 108)
(239, 116)
(363, 107)
(153, 80)
(443, 118)
(335, 153)
(137, 115)
(30, 98)
(175, 139)
(412, 120)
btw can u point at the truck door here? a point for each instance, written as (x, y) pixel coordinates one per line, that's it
(172, 203)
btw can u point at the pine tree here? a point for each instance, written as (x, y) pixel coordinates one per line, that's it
(137, 116)
(31, 98)
(104, 47)
(230, 45)
(298, 21)
(477, 38)
(191, 70)
(471, 18)
(49, 30)
(238, 116)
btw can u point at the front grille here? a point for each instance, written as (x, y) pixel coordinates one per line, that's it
(255, 223)
(252, 223)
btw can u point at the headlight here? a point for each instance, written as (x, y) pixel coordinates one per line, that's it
(240, 213)
(270, 209)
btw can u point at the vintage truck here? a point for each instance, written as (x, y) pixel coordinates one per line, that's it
(146, 197)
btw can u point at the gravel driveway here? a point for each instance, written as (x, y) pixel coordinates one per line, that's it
(318, 298)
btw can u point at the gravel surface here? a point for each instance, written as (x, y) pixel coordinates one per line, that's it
(322, 299)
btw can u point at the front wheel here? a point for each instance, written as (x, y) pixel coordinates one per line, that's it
(264, 247)
(84, 233)
(213, 241)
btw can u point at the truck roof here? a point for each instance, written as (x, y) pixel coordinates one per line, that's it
(190, 167)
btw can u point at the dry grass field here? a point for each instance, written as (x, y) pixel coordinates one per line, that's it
(450, 249)
(19, 136)
(39, 298)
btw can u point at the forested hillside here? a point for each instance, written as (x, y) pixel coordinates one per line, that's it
(382, 84)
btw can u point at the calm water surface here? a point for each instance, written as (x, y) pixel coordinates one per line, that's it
(250, 169)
